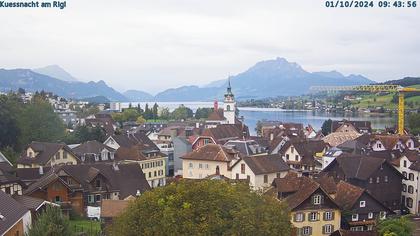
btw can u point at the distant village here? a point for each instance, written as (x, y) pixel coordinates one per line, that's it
(336, 183)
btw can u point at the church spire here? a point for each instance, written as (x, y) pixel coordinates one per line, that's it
(229, 88)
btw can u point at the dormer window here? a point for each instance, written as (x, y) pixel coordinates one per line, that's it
(98, 183)
(362, 203)
(317, 199)
(379, 145)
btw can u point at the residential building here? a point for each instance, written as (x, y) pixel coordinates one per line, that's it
(376, 175)
(9, 182)
(151, 161)
(222, 133)
(208, 160)
(392, 142)
(313, 211)
(409, 166)
(35, 205)
(44, 154)
(74, 187)
(181, 147)
(93, 152)
(15, 219)
(351, 126)
(260, 171)
(336, 138)
(202, 140)
(364, 209)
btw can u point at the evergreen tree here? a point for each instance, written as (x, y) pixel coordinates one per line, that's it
(326, 127)
(51, 223)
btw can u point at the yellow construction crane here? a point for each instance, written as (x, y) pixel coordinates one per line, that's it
(377, 88)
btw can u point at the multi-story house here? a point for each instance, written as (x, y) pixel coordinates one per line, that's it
(209, 160)
(9, 183)
(75, 187)
(351, 126)
(392, 142)
(138, 148)
(409, 166)
(313, 211)
(361, 208)
(260, 171)
(15, 218)
(303, 155)
(94, 152)
(181, 147)
(46, 154)
(376, 175)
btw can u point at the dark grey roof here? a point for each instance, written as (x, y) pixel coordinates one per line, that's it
(11, 212)
(91, 147)
(266, 164)
(45, 152)
(28, 202)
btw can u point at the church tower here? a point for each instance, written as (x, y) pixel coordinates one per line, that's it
(229, 105)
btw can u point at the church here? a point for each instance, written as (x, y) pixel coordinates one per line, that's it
(225, 115)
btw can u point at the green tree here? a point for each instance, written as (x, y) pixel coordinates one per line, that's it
(208, 207)
(203, 113)
(414, 123)
(182, 113)
(165, 114)
(38, 122)
(326, 127)
(396, 226)
(9, 127)
(155, 111)
(51, 223)
(84, 133)
(140, 120)
(10, 154)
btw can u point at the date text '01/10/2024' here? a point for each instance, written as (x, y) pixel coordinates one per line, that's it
(370, 4)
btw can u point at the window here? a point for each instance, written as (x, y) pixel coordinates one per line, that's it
(242, 168)
(98, 183)
(382, 215)
(370, 180)
(207, 166)
(370, 215)
(64, 155)
(296, 157)
(378, 179)
(248, 178)
(237, 176)
(317, 200)
(299, 217)
(98, 197)
(378, 145)
(362, 203)
(91, 199)
(411, 176)
(328, 215)
(386, 179)
(307, 230)
(150, 174)
(200, 166)
(410, 189)
(265, 178)
(206, 141)
(405, 163)
(357, 228)
(405, 174)
(313, 216)
(287, 156)
(57, 199)
(409, 202)
(327, 229)
(278, 175)
(155, 174)
(292, 149)
(228, 108)
(57, 156)
(191, 165)
(355, 217)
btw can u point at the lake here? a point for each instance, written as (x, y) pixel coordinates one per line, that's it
(252, 115)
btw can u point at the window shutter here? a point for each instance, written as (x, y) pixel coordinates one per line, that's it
(318, 216)
(294, 217)
(324, 216)
(303, 216)
(310, 230)
(332, 215)
(322, 199)
(313, 199)
(323, 229)
(332, 228)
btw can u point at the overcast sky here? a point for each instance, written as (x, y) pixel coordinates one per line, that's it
(156, 44)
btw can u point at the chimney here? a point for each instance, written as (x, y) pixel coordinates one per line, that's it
(41, 170)
(197, 125)
(215, 105)
(115, 167)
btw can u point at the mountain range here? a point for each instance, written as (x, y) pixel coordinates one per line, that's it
(270, 78)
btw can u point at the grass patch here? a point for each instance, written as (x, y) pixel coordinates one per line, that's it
(90, 227)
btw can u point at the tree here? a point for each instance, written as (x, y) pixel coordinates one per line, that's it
(155, 111)
(203, 113)
(140, 120)
(51, 223)
(38, 122)
(396, 226)
(207, 207)
(9, 127)
(182, 113)
(326, 127)
(10, 154)
(84, 133)
(165, 114)
(414, 123)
